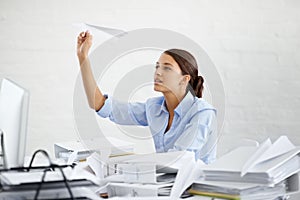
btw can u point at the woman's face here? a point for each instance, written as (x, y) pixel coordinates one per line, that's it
(168, 76)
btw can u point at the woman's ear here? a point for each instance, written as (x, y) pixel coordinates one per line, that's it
(187, 78)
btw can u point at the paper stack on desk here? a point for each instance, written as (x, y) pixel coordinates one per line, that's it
(48, 184)
(79, 150)
(158, 174)
(266, 170)
(141, 179)
(270, 163)
(237, 190)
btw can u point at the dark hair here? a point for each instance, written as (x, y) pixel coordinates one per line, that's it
(188, 66)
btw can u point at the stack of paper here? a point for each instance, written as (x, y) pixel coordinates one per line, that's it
(138, 190)
(263, 172)
(134, 179)
(237, 190)
(51, 194)
(25, 184)
(158, 174)
(267, 164)
(79, 150)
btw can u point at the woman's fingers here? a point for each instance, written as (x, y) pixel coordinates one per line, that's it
(84, 42)
(83, 36)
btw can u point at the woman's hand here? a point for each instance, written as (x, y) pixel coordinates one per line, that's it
(84, 43)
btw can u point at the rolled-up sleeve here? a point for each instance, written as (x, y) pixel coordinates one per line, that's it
(106, 109)
(124, 113)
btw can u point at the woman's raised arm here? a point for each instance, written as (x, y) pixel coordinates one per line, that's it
(95, 97)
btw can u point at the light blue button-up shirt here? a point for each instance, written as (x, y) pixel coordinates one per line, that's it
(193, 127)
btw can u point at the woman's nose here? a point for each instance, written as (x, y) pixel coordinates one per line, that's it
(158, 72)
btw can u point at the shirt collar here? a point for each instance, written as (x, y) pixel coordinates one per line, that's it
(183, 106)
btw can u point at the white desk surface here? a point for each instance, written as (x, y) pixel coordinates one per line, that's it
(161, 198)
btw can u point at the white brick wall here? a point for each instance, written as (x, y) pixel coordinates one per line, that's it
(254, 44)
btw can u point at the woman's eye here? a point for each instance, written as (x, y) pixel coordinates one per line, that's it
(167, 68)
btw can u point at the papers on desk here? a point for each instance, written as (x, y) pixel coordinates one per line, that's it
(25, 178)
(267, 169)
(16, 184)
(74, 151)
(51, 194)
(158, 174)
(237, 190)
(257, 173)
(160, 178)
(138, 190)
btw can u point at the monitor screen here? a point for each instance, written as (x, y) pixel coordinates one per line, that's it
(14, 103)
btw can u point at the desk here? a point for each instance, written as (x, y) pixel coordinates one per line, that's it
(162, 198)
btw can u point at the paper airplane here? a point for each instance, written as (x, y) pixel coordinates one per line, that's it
(100, 33)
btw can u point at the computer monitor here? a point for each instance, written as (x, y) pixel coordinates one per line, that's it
(14, 103)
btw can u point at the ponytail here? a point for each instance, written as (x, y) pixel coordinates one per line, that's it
(198, 86)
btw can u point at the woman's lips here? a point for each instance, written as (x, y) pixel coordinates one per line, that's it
(157, 81)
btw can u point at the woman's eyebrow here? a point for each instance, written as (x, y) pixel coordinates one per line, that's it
(166, 63)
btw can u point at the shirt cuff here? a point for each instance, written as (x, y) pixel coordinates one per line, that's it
(106, 108)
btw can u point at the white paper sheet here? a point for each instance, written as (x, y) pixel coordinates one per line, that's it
(252, 161)
(267, 151)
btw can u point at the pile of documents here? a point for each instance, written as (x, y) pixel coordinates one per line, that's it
(264, 172)
(237, 190)
(48, 184)
(73, 151)
(150, 175)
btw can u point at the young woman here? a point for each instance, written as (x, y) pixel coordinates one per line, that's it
(178, 120)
